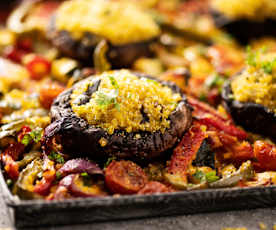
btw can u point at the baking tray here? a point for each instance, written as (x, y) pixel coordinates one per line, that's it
(33, 213)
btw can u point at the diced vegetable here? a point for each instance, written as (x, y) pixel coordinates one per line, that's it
(48, 92)
(38, 67)
(124, 177)
(245, 172)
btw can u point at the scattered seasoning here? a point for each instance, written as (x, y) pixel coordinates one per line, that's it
(56, 157)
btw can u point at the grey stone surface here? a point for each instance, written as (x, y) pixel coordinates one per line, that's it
(207, 221)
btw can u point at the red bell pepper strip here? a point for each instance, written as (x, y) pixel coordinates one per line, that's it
(186, 152)
(211, 118)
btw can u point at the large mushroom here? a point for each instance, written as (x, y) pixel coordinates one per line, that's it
(250, 96)
(80, 25)
(119, 113)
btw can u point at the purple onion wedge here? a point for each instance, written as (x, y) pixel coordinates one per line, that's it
(80, 166)
(78, 187)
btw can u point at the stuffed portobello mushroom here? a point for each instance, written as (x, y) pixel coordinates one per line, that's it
(120, 113)
(251, 95)
(257, 16)
(79, 25)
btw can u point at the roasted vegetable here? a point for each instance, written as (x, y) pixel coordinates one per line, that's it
(24, 187)
(245, 172)
(124, 177)
(80, 166)
(183, 156)
(82, 187)
(253, 117)
(123, 49)
(75, 133)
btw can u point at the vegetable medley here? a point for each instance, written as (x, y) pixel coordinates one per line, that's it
(72, 126)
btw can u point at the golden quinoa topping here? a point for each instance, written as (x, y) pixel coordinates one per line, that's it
(257, 83)
(119, 22)
(126, 102)
(251, 9)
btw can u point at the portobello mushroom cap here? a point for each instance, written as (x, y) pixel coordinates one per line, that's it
(121, 52)
(78, 137)
(253, 117)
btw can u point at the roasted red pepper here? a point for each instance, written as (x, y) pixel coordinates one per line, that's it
(212, 119)
(184, 154)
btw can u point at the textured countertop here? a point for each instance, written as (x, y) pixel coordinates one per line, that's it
(210, 221)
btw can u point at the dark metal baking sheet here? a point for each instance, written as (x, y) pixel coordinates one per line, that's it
(40, 213)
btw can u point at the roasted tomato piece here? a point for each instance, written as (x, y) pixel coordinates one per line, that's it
(184, 154)
(154, 187)
(48, 92)
(265, 154)
(124, 177)
(38, 67)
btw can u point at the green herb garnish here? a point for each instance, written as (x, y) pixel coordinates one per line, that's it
(35, 135)
(215, 80)
(105, 99)
(58, 175)
(251, 57)
(56, 157)
(86, 179)
(26, 139)
(268, 66)
(109, 160)
(203, 97)
(113, 82)
(203, 177)
(199, 175)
